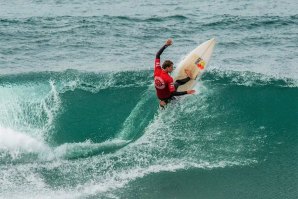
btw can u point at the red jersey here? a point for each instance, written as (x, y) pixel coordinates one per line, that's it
(164, 83)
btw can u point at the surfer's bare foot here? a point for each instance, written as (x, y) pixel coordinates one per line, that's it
(189, 74)
(162, 103)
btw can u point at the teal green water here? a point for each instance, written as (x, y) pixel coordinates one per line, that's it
(232, 138)
(79, 117)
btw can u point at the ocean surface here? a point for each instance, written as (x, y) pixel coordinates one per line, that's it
(79, 117)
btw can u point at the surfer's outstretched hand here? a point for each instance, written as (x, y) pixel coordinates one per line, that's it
(169, 42)
(190, 91)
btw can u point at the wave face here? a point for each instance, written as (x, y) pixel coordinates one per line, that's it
(57, 125)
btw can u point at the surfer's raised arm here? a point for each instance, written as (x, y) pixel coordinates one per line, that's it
(168, 43)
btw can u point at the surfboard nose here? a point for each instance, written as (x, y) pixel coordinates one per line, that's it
(212, 40)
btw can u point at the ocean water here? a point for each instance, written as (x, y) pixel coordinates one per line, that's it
(79, 117)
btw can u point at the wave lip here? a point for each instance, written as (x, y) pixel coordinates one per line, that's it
(247, 78)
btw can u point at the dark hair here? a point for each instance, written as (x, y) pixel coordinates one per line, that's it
(166, 64)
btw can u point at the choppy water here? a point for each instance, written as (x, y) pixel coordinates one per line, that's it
(79, 116)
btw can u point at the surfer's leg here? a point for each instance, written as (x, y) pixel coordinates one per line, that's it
(181, 82)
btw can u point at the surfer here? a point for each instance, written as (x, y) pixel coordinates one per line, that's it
(165, 87)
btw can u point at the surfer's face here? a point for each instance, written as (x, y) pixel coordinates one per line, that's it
(171, 68)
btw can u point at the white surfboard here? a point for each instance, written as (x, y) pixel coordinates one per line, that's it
(196, 61)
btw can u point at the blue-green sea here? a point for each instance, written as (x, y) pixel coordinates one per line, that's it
(79, 116)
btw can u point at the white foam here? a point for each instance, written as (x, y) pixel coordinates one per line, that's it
(114, 180)
(16, 143)
(30, 109)
(71, 150)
